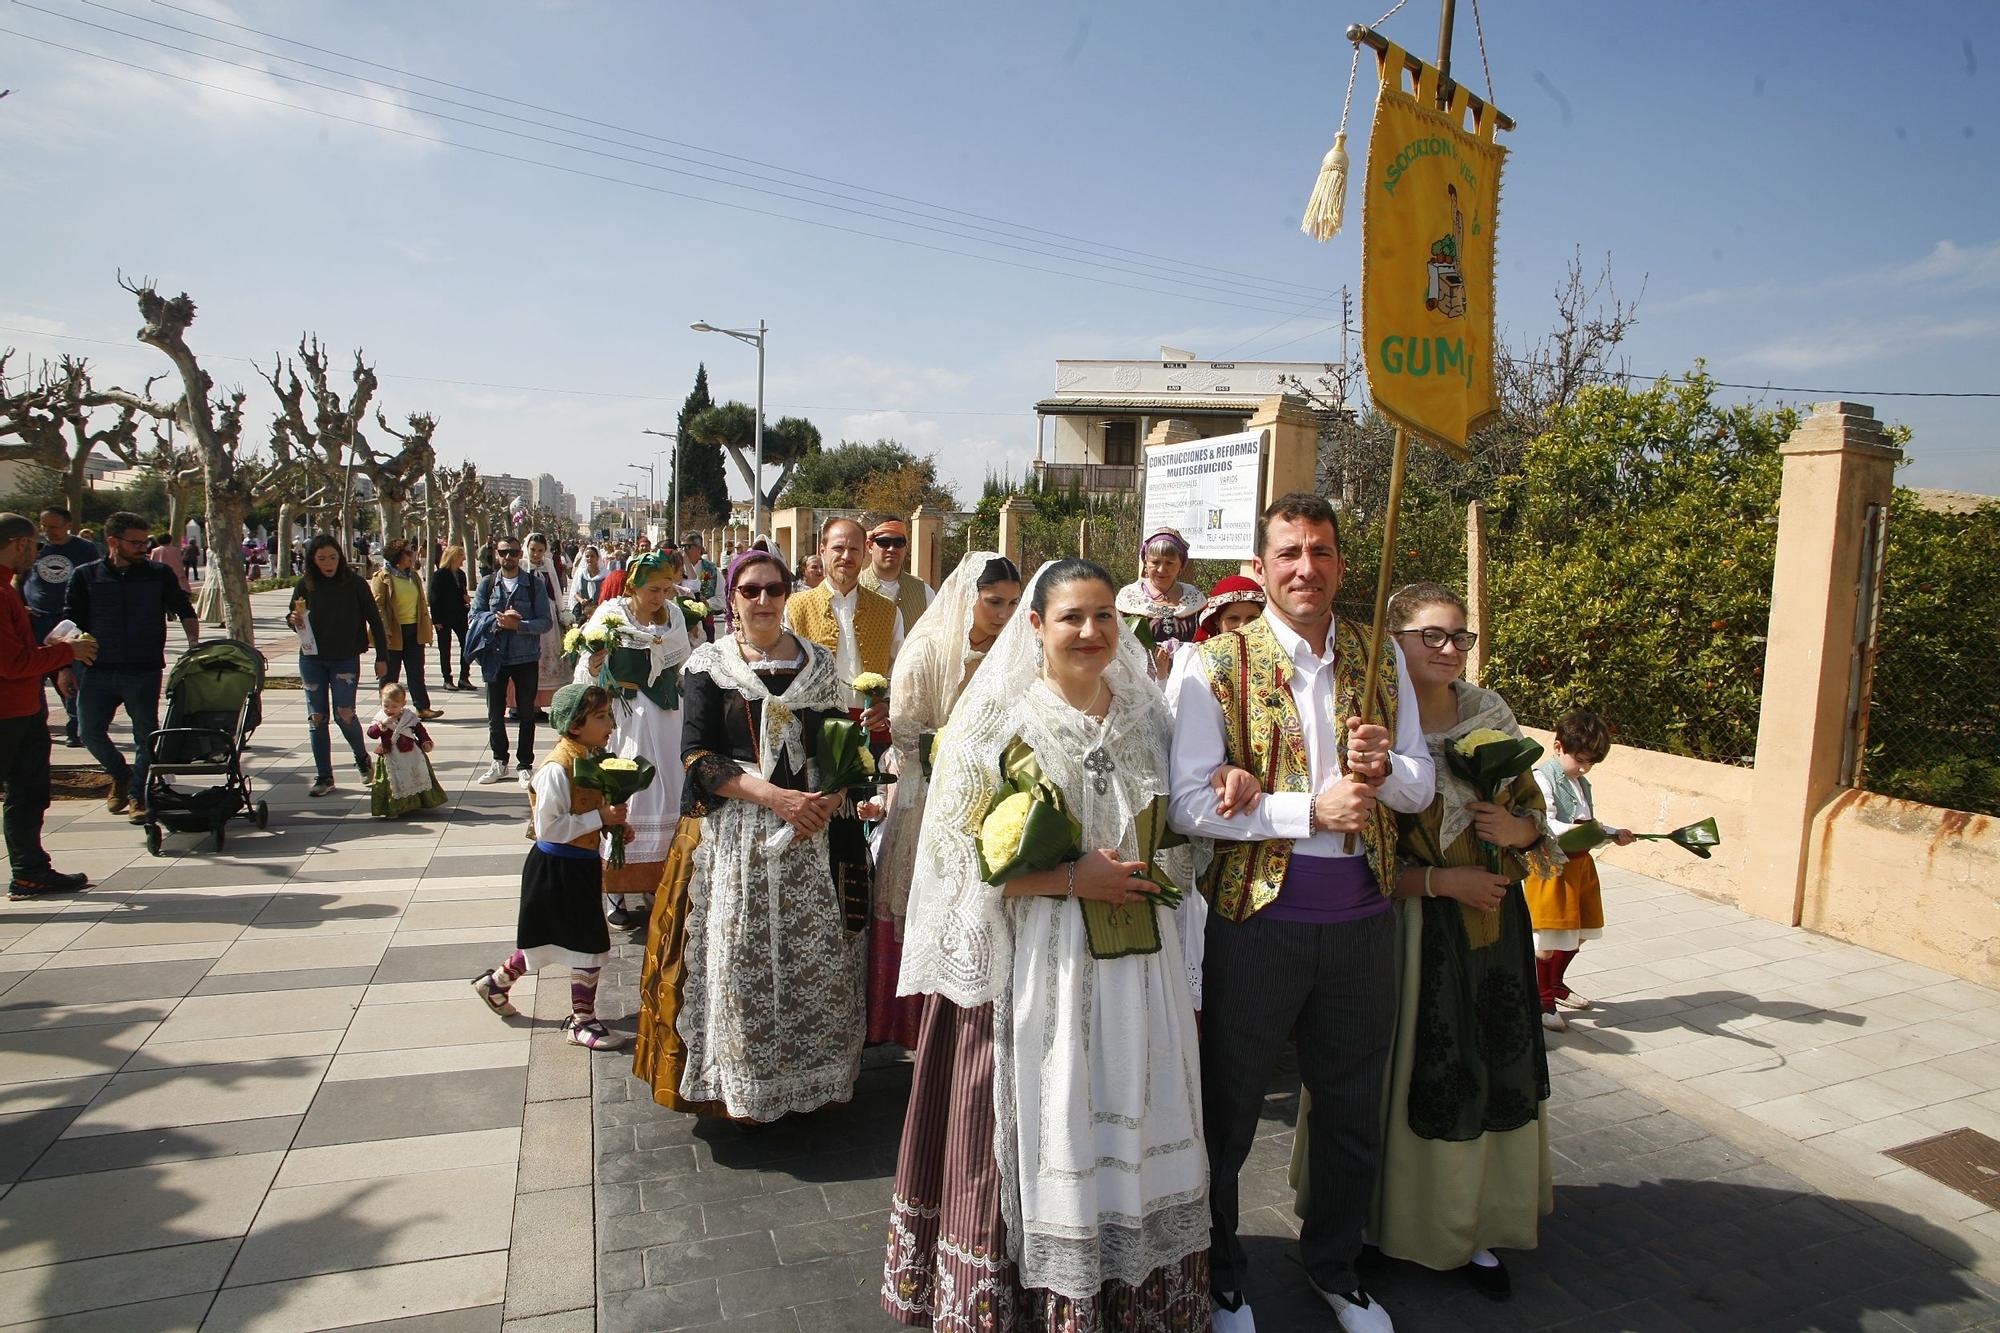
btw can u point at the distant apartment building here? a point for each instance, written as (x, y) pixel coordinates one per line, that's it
(1090, 431)
(508, 487)
(551, 494)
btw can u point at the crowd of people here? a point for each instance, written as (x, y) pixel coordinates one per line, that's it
(1259, 860)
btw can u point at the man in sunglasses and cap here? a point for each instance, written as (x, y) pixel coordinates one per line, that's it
(886, 574)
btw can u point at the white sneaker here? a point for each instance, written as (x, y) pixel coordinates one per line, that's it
(1239, 1320)
(525, 776)
(494, 772)
(1555, 1022)
(1355, 1312)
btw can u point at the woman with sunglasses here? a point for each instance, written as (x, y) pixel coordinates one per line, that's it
(751, 998)
(1465, 1143)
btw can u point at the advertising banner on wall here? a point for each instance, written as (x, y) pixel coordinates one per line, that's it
(1209, 491)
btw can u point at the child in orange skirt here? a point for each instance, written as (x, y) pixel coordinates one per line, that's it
(1568, 909)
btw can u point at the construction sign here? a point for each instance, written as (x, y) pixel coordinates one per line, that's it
(1428, 218)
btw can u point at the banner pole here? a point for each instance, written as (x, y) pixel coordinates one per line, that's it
(1380, 628)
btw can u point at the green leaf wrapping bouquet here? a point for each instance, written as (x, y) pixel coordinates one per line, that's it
(1488, 761)
(619, 780)
(1697, 837)
(1029, 828)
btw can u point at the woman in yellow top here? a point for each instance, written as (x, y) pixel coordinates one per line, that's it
(406, 618)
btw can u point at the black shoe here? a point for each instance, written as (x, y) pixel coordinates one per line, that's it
(513, 715)
(541, 715)
(464, 683)
(1492, 1283)
(620, 919)
(72, 740)
(47, 880)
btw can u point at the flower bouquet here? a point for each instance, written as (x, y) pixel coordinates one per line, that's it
(844, 762)
(589, 640)
(1697, 837)
(871, 686)
(619, 780)
(1030, 829)
(1488, 761)
(693, 610)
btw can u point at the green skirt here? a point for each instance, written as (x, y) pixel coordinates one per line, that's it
(384, 806)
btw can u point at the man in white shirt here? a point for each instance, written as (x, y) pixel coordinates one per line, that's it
(863, 629)
(1300, 936)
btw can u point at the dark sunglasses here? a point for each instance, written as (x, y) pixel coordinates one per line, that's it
(892, 543)
(506, 551)
(757, 592)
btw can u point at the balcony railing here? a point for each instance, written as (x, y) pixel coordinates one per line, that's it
(1096, 478)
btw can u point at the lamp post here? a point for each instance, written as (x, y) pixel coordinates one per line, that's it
(756, 340)
(674, 518)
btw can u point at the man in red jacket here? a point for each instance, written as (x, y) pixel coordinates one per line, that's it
(24, 718)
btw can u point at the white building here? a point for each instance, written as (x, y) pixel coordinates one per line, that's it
(508, 487)
(1091, 429)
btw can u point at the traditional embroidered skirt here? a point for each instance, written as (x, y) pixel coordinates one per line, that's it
(1570, 903)
(947, 1265)
(660, 1057)
(562, 916)
(384, 804)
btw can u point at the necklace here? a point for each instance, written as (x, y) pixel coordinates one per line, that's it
(1097, 763)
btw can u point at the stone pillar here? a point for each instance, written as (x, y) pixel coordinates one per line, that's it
(1291, 456)
(1836, 464)
(927, 546)
(1013, 514)
(1476, 617)
(1171, 430)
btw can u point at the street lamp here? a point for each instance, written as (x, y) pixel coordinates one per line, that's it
(673, 520)
(757, 483)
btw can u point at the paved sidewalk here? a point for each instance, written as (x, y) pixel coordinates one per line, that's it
(252, 1090)
(1674, 1210)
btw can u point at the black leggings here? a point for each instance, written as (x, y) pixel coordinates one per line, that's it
(444, 637)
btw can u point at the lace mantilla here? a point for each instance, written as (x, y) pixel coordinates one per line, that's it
(815, 687)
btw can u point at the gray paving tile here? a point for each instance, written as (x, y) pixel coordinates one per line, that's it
(305, 978)
(146, 1147)
(652, 1309)
(51, 986)
(24, 1134)
(180, 1314)
(364, 1109)
(437, 962)
(476, 1319)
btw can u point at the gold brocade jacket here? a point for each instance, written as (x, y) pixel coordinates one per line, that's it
(810, 616)
(1250, 674)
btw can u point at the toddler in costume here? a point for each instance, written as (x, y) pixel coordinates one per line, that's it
(403, 781)
(561, 922)
(1568, 909)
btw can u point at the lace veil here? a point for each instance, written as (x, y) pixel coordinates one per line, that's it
(957, 942)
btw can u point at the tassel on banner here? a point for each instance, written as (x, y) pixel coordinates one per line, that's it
(1327, 208)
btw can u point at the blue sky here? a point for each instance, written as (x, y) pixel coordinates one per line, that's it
(1808, 193)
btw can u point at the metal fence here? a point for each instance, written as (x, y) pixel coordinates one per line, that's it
(1931, 728)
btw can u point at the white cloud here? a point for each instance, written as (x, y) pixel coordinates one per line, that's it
(1968, 267)
(1851, 341)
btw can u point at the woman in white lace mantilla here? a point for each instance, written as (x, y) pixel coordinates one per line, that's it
(751, 997)
(1052, 1172)
(950, 640)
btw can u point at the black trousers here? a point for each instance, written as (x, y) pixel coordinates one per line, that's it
(444, 636)
(24, 765)
(525, 677)
(1333, 989)
(411, 654)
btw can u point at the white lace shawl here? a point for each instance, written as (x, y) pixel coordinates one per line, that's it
(1139, 598)
(665, 644)
(816, 686)
(957, 941)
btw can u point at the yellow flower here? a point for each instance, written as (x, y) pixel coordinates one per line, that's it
(573, 642)
(867, 759)
(1472, 740)
(870, 683)
(620, 765)
(1000, 835)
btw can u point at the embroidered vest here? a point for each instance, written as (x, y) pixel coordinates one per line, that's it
(1566, 807)
(581, 799)
(909, 598)
(1250, 674)
(810, 616)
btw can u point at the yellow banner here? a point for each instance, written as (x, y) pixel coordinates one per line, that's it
(1427, 228)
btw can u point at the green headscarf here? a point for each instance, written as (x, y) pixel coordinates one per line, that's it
(564, 708)
(643, 568)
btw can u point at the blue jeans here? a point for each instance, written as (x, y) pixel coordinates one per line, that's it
(330, 684)
(100, 693)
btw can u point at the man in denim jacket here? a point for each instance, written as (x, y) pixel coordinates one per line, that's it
(521, 606)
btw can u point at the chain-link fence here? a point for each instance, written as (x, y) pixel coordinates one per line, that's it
(1933, 723)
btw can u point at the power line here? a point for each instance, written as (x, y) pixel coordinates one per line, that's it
(870, 212)
(677, 143)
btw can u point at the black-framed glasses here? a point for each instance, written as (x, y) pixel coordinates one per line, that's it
(757, 592)
(1434, 637)
(892, 543)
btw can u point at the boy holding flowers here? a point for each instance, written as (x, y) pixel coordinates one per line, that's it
(1568, 908)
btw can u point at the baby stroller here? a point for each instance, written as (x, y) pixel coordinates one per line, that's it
(214, 701)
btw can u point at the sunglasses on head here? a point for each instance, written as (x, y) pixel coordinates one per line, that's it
(892, 543)
(757, 592)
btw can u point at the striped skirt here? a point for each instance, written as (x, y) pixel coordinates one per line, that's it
(947, 1266)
